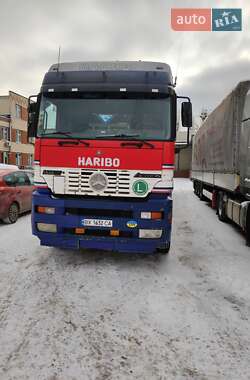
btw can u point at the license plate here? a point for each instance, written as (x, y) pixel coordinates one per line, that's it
(97, 223)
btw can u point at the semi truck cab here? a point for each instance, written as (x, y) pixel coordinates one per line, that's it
(104, 155)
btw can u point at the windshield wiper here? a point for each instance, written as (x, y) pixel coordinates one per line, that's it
(139, 142)
(248, 118)
(68, 134)
(118, 136)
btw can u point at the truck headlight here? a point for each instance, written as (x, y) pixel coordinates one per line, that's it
(46, 227)
(150, 234)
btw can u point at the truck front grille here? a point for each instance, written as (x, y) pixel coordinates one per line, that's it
(77, 182)
(94, 212)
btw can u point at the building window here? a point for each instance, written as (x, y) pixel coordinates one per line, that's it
(30, 160)
(18, 111)
(18, 159)
(6, 133)
(5, 157)
(18, 136)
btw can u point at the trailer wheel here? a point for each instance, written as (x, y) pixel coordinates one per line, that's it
(196, 188)
(221, 207)
(200, 193)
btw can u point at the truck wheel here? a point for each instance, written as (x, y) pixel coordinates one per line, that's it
(221, 207)
(200, 194)
(164, 250)
(12, 214)
(196, 188)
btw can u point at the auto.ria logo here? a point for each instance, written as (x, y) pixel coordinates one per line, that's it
(226, 20)
(206, 19)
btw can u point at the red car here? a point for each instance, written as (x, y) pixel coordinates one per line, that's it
(16, 187)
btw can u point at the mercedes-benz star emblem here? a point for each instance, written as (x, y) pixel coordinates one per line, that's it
(98, 182)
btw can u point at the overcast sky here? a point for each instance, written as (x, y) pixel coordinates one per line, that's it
(208, 64)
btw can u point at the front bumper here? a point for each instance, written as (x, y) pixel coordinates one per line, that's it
(67, 222)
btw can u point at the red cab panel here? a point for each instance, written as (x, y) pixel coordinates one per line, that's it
(126, 154)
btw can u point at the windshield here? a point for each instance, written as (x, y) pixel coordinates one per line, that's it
(87, 118)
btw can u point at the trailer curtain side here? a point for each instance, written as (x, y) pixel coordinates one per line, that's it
(216, 147)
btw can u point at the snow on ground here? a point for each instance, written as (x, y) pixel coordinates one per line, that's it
(92, 315)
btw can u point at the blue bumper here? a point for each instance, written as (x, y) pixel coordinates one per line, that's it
(70, 212)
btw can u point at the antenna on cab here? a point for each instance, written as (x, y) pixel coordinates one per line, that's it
(175, 81)
(59, 58)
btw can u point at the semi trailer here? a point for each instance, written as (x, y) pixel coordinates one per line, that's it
(221, 158)
(104, 155)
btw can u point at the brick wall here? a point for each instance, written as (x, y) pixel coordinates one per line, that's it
(12, 158)
(24, 159)
(24, 113)
(13, 134)
(24, 137)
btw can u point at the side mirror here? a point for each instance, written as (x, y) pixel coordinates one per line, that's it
(32, 116)
(186, 114)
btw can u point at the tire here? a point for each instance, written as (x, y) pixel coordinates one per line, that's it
(195, 186)
(164, 250)
(13, 214)
(200, 193)
(221, 207)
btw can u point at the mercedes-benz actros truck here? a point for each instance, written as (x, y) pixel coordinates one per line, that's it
(104, 155)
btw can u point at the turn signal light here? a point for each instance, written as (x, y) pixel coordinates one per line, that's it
(152, 215)
(80, 231)
(156, 215)
(41, 209)
(46, 210)
(114, 232)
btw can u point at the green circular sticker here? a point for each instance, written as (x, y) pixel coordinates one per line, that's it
(140, 187)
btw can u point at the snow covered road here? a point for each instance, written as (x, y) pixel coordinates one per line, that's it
(68, 315)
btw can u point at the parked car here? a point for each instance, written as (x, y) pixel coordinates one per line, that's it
(16, 187)
(7, 166)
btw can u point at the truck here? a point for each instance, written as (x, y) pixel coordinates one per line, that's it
(221, 158)
(104, 155)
